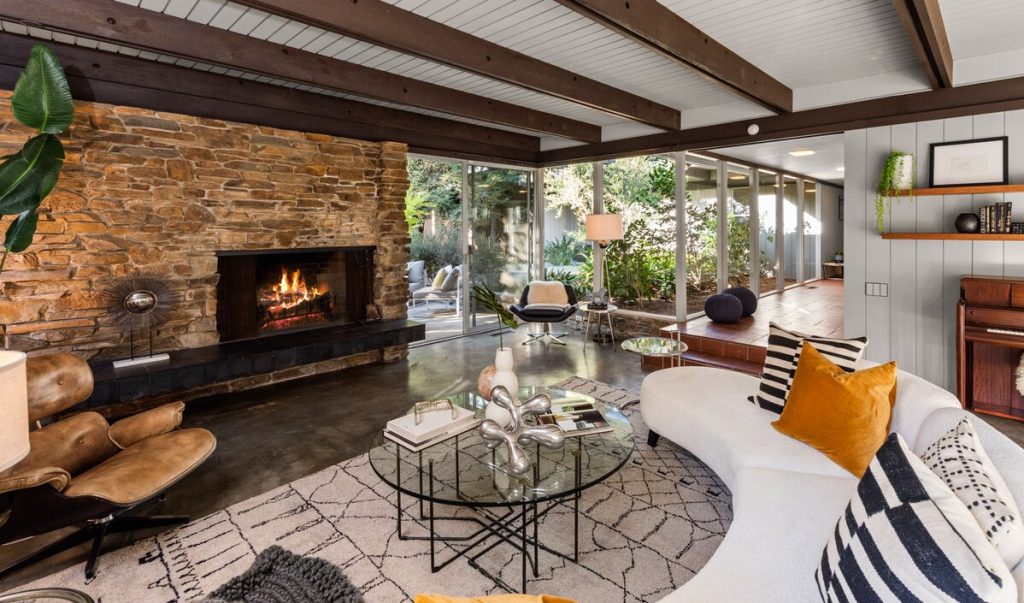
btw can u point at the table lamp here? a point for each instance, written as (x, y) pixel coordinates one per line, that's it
(14, 423)
(603, 229)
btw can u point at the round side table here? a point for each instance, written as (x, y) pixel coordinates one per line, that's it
(599, 312)
(656, 347)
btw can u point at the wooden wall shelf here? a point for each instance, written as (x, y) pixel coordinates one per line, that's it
(951, 236)
(964, 190)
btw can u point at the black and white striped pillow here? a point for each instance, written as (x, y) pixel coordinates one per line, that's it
(784, 354)
(906, 537)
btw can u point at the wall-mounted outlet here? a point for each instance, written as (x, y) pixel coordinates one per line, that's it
(876, 289)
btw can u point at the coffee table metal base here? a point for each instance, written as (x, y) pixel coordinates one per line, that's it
(511, 527)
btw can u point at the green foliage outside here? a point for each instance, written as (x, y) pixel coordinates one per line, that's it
(641, 266)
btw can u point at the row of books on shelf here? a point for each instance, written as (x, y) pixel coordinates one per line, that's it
(419, 430)
(996, 219)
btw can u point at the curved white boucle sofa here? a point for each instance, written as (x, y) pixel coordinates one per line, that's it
(787, 496)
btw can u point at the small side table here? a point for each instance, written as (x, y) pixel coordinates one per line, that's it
(657, 347)
(606, 313)
(832, 270)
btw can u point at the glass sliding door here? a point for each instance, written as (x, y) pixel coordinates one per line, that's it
(739, 198)
(812, 232)
(767, 218)
(791, 231)
(499, 229)
(701, 232)
(433, 210)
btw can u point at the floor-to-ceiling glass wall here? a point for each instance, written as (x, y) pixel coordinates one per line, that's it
(701, 231)
(739, 199)
(500, 235)
(433, 210)
(812, 231)
(641, 266)
(791, 230)
(767, 225)
(568, 199)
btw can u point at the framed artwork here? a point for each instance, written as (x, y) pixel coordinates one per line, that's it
(969, 162)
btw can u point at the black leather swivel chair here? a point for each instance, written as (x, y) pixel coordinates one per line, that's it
(547, 314)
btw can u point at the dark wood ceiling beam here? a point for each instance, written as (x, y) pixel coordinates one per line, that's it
(380, 23)
(144, 29)
(922, 20)
(659, 28)
(116, 79)
(987, 97)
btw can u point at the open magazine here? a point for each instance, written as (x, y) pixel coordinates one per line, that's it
(576, 418)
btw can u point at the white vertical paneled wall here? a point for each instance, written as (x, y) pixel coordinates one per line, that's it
(915, 323)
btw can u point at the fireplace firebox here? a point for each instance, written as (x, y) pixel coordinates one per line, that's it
(267, 292)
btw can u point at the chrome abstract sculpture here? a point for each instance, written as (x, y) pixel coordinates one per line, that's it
(518, 434)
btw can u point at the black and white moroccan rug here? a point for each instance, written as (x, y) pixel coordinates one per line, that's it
(643, 532)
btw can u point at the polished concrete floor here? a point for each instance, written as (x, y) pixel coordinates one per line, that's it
(275, 435)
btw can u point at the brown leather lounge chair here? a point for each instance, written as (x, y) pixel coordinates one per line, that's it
(84, 473)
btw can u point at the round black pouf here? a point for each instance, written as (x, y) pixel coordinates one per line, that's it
(723, 307)
(746, 297)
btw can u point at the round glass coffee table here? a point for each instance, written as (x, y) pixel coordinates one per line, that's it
(656, 347)
(461, 471)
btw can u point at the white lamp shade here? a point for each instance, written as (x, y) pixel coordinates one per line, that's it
(604, 227)
(14, 444)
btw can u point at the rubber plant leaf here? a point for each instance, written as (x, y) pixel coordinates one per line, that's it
(20, 232)
(42, 98)
(30, 174)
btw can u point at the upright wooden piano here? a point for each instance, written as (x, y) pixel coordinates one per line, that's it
(989, 345)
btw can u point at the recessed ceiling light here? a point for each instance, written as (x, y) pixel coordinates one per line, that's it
(841, 169)
(801, 153)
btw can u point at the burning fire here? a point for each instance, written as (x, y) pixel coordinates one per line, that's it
(292, 291)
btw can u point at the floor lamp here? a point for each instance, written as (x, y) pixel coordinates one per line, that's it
(603, 229)
(13, 409)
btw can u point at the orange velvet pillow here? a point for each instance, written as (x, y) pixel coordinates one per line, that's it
(844, 415)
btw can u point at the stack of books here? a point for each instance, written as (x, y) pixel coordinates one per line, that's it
(576, 418)
(433, 427)
(996, 218)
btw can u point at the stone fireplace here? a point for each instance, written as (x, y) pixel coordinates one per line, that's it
(274, 291)
(200, 204)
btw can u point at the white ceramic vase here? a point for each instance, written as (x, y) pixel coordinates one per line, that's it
(904, 176)
(503, 362)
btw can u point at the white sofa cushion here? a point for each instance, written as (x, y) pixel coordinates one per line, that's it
(960, 460)
(781, 521)
(705, 411)
(906, 536)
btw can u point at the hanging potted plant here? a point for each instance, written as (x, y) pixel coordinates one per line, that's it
(897, 179)
(501, 373)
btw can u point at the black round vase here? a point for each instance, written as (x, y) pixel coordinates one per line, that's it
(967, 223)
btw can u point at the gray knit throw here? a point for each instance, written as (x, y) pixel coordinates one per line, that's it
(279, 576)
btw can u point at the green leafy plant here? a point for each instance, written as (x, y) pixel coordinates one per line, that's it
(489, 300)
(566, 250)
(42, 101)
(888, 185)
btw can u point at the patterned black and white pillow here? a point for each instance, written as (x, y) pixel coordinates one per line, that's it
(958, 458)
(784, 354)
(906, 537)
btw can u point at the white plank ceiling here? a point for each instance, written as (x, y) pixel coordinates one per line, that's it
(985, 38)
(828, 51)
(824, 164)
